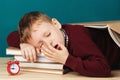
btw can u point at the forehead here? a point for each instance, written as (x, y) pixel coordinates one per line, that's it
(42, 26)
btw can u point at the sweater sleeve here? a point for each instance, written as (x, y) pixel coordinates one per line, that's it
(13, 39)
(85, 57)
(89, 67)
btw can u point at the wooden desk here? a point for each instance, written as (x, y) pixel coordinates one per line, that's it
(42, 76)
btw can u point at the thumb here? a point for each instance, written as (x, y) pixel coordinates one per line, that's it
(38, 51)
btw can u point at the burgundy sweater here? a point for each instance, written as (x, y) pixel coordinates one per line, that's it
(92, 51)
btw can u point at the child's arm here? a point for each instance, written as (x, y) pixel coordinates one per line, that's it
(13, 39)
(29, 52)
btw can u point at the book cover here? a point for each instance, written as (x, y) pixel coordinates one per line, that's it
(49, 71)
(113, 29)
(42, 65)
(16, 51)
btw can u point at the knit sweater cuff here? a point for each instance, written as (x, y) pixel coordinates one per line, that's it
(71, 62)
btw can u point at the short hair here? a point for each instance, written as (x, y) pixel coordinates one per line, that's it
(27, 21)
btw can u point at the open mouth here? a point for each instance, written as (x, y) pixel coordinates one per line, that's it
(57, 47)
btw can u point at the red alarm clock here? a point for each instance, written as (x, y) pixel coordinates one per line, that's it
(13, 67)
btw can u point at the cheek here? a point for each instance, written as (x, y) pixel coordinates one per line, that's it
(35, 37)
(34, 40)
(58, 38)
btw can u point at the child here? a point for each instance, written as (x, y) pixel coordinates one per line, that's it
(90, 52)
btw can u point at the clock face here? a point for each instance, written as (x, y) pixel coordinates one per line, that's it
(14, 68)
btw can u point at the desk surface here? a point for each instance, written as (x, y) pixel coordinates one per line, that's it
(44, 76)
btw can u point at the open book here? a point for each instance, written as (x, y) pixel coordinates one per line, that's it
(113, 29)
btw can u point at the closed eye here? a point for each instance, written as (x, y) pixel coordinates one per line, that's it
(47, 34)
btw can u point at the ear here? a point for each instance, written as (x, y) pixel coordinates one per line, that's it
(56, 23)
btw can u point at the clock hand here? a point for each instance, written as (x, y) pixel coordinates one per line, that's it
(12, 68)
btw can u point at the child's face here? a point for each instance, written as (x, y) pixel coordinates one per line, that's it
(46, 32)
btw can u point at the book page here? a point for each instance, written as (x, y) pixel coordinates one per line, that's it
(115, 26)
(115, 36)
(98, 26)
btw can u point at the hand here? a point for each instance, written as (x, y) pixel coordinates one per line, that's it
(59, 55)
(28, 52)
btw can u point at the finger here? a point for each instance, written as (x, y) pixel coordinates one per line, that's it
(46, 54)
(48, 57)
(30, 55)
(47, 45)
(27, 56)
(23, 54)
(33, 54)
(37, 50)
(46, 50)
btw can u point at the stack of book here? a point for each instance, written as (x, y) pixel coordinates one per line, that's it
(42, 64)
